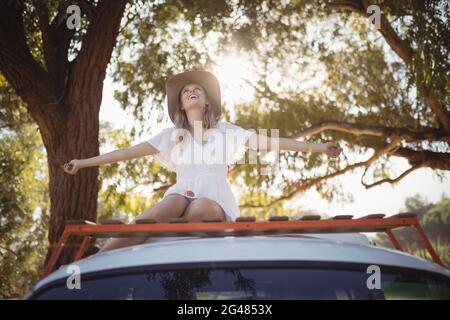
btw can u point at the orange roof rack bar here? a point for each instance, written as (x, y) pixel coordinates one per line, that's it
(242, 226)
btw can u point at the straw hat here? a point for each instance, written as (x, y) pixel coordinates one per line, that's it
(204, 78)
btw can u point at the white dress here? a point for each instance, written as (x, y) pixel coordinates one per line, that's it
(202, 169)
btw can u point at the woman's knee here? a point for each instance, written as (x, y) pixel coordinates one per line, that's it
(202, 208)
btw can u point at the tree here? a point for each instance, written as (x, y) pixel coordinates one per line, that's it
(435, 220)
(61, 86)
(24, 201)
(378, 105)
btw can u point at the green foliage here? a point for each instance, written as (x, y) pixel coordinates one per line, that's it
(424, 25)
(434, 219)
(437, 220)
(24, 202)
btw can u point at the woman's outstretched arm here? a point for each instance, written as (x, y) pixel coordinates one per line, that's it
(136, 151)
(263, 142)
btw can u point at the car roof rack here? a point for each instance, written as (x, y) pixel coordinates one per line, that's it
(241, 227)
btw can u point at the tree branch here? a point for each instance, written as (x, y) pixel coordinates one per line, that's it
(391, 181)
(354, 6)
(9, 250)
(58, 44)
(97, 46)
(433, 160)
(429, 134)
(49, 45)
(305, 185)
(401, 48)
(442, 114)
(26, 76)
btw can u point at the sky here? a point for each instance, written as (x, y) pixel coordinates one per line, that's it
(385, 198)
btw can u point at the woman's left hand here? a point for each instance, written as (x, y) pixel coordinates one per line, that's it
(332, 150)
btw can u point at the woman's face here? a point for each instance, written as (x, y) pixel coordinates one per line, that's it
(193, 96)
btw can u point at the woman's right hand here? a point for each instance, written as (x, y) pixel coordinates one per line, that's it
(72, 166)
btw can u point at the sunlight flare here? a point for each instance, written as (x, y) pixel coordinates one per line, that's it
(234, 74)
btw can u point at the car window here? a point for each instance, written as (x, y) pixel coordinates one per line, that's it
(256, 283)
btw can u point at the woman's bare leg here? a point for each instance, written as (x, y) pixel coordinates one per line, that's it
(172, 206)
(202, 208)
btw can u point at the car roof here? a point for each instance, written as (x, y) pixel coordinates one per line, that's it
(251, 248)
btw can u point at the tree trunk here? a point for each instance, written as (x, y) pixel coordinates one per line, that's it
(73, 197)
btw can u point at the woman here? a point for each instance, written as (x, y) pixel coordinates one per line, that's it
(202, 190)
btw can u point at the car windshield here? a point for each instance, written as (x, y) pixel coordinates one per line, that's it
(255, 283)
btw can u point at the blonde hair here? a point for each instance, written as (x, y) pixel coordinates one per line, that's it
(181, 121)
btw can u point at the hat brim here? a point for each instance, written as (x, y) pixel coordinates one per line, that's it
(204, 78)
